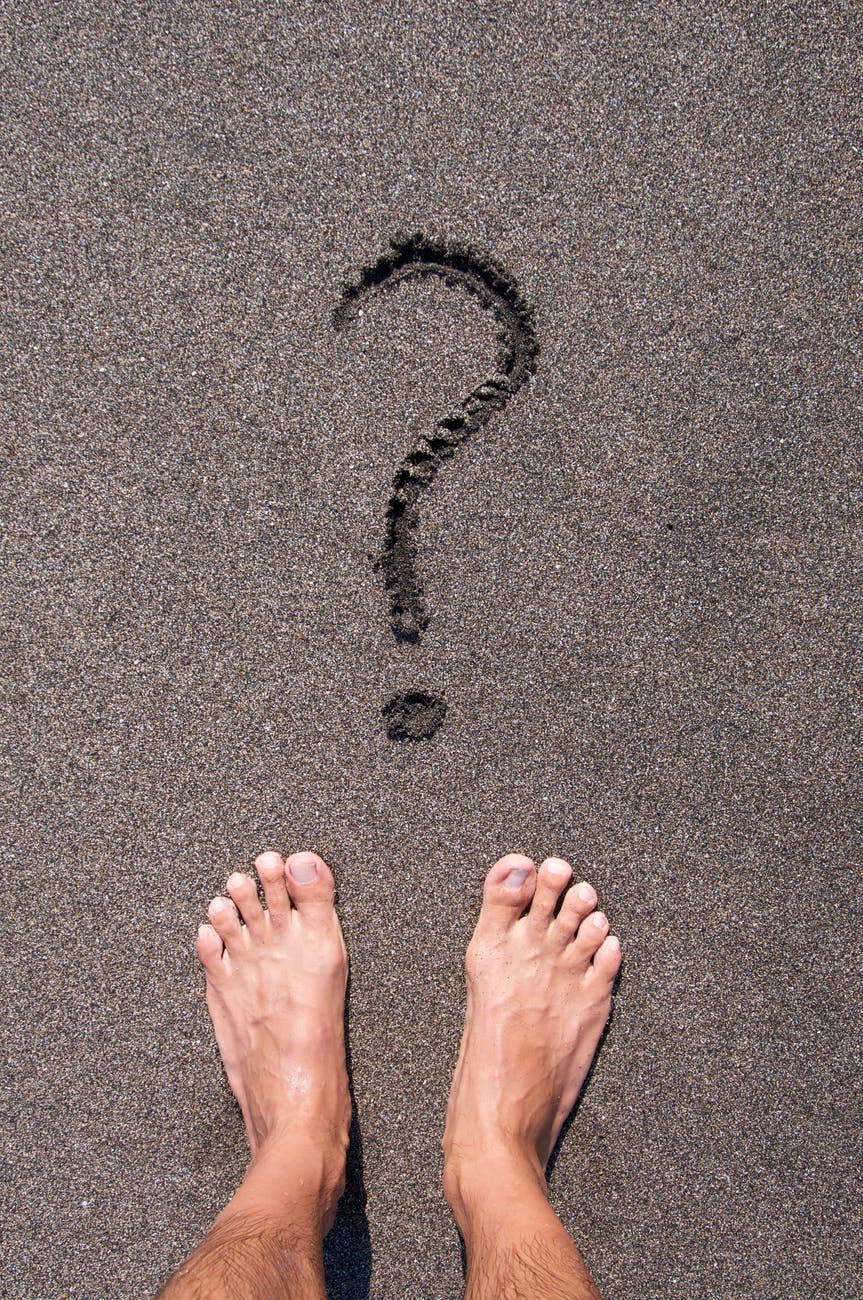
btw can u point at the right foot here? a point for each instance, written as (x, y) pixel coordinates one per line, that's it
(276, 995)
(538, 997)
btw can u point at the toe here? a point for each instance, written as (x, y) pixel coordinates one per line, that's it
(271, 872)
(579, 901)
(591, 933)
(311, 885)
(245, 896)
(507, 891)
(226, 923)
(551, 878)
(210, 951)
(606, 960)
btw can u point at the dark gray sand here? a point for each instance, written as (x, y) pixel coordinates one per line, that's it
(642, 581)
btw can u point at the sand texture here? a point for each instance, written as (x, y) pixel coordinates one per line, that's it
(640, 598)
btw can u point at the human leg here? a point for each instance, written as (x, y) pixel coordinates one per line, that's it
(276, 990)
(539, 995)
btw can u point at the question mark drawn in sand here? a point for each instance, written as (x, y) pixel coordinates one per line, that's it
(415, 715)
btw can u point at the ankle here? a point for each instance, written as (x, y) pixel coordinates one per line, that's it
(488, 1184)
(320, 1147)
(298, 1178)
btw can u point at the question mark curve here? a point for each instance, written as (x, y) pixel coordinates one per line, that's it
(417, 714)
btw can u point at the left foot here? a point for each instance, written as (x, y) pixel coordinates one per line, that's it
(540, 969)
(276, 995)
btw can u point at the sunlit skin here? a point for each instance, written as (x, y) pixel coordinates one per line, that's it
(540, 969)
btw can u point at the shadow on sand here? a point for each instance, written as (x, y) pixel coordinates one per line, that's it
(347, 1246)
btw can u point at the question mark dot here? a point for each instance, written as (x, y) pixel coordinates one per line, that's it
(414, 715)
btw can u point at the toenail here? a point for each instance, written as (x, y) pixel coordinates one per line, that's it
(555, 867)
(613, 942)
(303, 872)
(599, 920)
(217, 905)
(585, 892)
(515, 879)
(269, 861)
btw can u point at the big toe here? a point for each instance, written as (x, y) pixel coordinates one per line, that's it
(310, 884)
(508, 888)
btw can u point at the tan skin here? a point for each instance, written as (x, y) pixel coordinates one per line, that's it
(539, 994)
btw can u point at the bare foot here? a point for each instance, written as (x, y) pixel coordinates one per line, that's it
(538, 997)
(276, 995)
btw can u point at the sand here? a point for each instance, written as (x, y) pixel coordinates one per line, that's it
(641, 579)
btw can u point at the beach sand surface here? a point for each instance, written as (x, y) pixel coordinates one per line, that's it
(642, 580)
